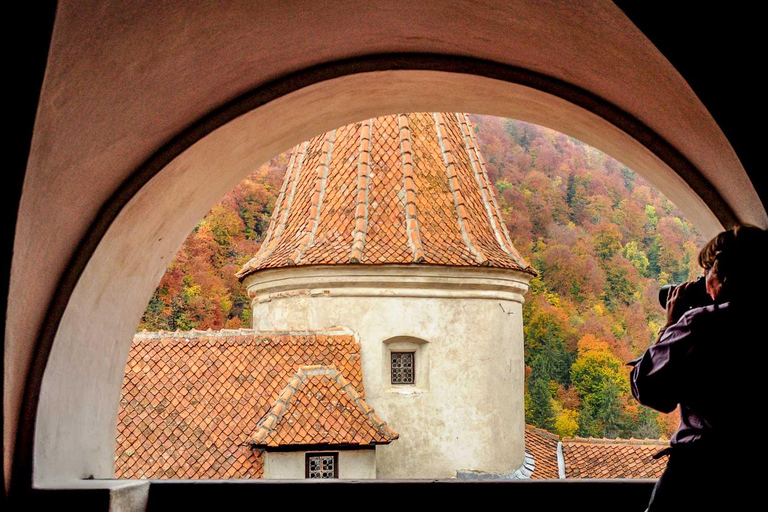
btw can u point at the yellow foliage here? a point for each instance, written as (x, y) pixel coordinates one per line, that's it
(654, 325)
(553, 299)
(566, 420)
(694, 270)
(193, 290)
(590, 343)
(617, 328)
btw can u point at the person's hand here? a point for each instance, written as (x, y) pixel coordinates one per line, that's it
(677, 303)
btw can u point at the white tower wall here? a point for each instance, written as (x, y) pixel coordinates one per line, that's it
(465, 411)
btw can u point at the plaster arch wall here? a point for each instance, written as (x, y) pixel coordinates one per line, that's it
(98, 122)
(76, 419)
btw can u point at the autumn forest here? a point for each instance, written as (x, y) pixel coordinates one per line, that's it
(602, 239)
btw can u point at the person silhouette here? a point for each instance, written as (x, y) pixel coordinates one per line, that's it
(708, 360)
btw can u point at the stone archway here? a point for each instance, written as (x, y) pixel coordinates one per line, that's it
(72, 395)
(75, 424)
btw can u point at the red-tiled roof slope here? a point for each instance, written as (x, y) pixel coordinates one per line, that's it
(191, 400)
(397, 189)
(320, 406)
(613, 458)
(542, 445)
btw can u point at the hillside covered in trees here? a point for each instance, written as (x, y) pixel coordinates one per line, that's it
(602, 239)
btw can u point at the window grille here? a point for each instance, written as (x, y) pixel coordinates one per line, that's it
(403, 368)
(322, 465)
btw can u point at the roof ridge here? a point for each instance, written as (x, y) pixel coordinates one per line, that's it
(273, 239)
(510, 247)
(458, 198)
(545, 433)
(493, 216)
(222, 333)
(363, 182)
(618, 440)
(316, 202)
(409, 183)
(269, 422)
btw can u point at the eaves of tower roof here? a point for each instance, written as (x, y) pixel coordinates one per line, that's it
(397, 189)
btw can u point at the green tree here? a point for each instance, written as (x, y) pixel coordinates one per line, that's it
(540, 413)
(637, 257)
(607, 240)
(598, 377)
(621, 281)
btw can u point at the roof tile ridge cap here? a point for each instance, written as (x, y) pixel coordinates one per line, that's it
(266, 249)
(360, 229)
(369, 412)
(192, 333)
(413, 229)
(632, 441)
(311, 370)
(484, 172)
(545, 433)
(617, 441)
(458, 198)
(315, 210)
(273, 222)
(576, 439)
(328, 331)
(268, 423)
(464, 127)
(147, 335)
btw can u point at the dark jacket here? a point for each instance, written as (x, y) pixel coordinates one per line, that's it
(708, 363)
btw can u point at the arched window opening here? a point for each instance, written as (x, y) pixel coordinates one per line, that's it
(601, 237)
(406, 365)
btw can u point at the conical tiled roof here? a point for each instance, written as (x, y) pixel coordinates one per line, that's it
(398, 189)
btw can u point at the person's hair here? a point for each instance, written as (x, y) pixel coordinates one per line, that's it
(738, 259)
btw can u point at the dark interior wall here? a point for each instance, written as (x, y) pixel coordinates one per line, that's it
(33, 26)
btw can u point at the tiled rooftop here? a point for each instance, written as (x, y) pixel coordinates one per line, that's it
(320, 406)
(397, 189)
(542, 445)
(613, 458)
(190, 401)
(193, 404)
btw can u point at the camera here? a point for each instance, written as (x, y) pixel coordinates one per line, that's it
(696, 295)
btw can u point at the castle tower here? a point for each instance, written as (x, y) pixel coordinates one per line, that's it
(389, 227)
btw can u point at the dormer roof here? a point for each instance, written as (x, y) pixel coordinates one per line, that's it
(320, 406)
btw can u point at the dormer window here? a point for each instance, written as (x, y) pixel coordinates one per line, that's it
(403, 367)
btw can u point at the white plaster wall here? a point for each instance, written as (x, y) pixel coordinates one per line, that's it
(470, 415)
(353, 464)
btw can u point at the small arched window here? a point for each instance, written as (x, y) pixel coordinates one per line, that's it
(406, 365)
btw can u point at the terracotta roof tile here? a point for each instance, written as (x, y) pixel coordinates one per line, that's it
(542, 445)
(191, 400)
(613, 458)
(321, 408)
(397, 189)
